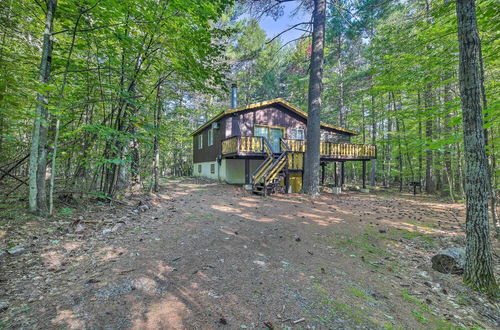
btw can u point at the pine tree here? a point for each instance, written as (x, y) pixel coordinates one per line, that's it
(479, 262)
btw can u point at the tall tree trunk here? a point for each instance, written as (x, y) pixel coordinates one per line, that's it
(492, 160)
(429, 181)
(479, 263)
(408, 153)
(447, 129)
(58, 119)
(363, 125)
(421, 149)
(4, 70)
(38, 155)
(311, 166)
(342, 106)
(400, 151)
(388, 143)
(156, 142)
(374, 137)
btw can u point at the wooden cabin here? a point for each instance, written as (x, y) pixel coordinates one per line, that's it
(263, 145)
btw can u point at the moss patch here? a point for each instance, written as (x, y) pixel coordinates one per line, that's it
(423, 314)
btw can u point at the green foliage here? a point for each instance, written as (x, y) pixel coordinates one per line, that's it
(390, 69)
(121, 52)
(65, 211)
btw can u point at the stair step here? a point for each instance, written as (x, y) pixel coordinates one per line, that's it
(279, 175)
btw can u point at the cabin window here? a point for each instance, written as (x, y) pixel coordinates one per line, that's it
(212, 168)
(199, 168)
(272, 133)
(297, 134)
(210, 137)
(200, 141)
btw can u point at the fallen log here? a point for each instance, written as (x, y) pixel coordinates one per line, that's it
(449, 261)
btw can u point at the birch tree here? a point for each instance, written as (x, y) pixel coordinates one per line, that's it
(38, 155)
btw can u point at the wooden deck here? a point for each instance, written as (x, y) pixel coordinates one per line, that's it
(254, 146)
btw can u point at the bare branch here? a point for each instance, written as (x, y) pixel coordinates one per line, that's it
(286, 30)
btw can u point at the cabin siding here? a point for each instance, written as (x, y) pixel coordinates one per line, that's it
(278, 115)
(209, 153)
(235, 125)
(243, 124)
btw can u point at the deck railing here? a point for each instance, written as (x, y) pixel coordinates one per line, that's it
(348, 150)
(245, 144)
(255, 144)
(330, 149)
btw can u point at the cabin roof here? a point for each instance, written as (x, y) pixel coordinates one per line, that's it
(280, 101)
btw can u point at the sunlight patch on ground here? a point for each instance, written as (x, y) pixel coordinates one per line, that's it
(110, 253)
(224, 208)
(67, 319)
(252, 217)
(146, 285)
(161, 270)
(326, 222)
(290, 199)
(421, 229)
(166, 314)
(53, 260)
(71, 246)
(321, 211)
(245, 204)
(308, 215)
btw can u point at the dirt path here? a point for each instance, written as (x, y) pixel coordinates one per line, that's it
(208, 256)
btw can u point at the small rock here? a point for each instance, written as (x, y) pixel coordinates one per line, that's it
(4, 305)
(16, 250)
(80, 228)
(2, 252)
(222, 321)
(424, 274)
(297, 239)
(382, 231)
(116, 227)
(107, 231)
(269, 325)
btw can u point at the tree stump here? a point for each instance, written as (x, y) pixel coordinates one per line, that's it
(449, 261)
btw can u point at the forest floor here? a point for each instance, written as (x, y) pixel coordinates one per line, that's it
(201, 255)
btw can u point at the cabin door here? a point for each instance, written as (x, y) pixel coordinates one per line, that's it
(273, 135)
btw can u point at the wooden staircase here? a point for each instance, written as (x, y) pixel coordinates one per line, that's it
(267, 177)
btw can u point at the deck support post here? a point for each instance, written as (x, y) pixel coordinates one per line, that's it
(323, 173)
(287, 182)
(342, 173)
(247, 171)
(336, 174)
(364, 174)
